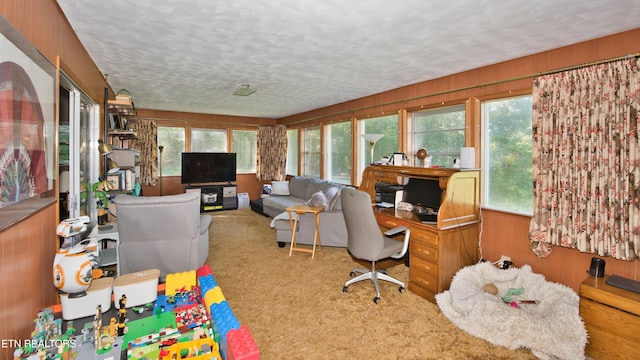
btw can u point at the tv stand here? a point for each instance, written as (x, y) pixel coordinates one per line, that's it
(217, 197)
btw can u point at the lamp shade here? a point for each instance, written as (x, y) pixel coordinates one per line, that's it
(104, 148)
(372, 138)
(112, 166)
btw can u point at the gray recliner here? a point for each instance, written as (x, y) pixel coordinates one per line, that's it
(161, 232)
(366, 242)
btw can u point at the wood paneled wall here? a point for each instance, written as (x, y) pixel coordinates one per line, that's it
(27, 249)
(26, 260)
(508, 234)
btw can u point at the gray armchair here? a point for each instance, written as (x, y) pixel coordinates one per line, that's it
(161, 232)
(366, 242)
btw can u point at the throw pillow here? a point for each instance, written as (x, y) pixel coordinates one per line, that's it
(318, 199)
(330, 194)
(280, 188)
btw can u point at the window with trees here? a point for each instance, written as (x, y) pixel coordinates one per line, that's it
(208, 140)
(386, 146)
(338, 152)
(292, 152)
(507, 154)
(311, 150)
(244, 144)
(440, 131)
(173, 141)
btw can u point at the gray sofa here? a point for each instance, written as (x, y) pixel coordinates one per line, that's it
(332, 228)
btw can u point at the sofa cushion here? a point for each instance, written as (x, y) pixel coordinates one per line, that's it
(280, 203)
(280, 188)
(298, 187)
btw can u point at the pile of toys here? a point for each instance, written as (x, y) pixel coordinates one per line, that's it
(191, 320)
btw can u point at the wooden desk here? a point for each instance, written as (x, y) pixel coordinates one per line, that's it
(294, 212)
(612, 318)
(438, 251)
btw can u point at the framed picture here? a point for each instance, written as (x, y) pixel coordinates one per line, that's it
(398, 159)
(27, 122)
(115, 180)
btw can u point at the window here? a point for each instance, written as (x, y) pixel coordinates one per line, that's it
(78, 157)
(172, 139)
(208, 140)
(338, 145)
(292, 152)
(507, 154)
(312, 152)
(441, 132)
(386, 146)
(244, 144)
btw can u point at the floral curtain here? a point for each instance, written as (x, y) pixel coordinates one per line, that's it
(147, 143)
(586, 161)
(272, 153)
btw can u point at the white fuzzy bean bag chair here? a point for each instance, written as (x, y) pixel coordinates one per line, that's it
(552, 328)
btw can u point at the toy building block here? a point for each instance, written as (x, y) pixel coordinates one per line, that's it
(177, 281)
(207, 283)
(223, 320)
(203, 270)
(140, 287)
(241, 345)
(213, 296)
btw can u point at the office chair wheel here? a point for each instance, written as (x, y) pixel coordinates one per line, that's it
(344, 289)
(352, 274)
(375, 299)
(401, 289)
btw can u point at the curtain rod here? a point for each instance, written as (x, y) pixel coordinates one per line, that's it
(497, 82)
(204, 122)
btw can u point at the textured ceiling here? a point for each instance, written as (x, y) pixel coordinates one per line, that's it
(190, 55)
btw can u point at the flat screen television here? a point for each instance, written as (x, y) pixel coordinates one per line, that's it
(208, 167)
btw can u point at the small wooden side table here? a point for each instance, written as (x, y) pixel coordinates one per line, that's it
(294, 213)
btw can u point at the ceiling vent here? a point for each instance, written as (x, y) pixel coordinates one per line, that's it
(244, 90)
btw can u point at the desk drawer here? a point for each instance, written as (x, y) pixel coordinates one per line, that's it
(423, 251)
(423, 279)
(424, 236)
(229, 191)
(423, 265)
(390, 222)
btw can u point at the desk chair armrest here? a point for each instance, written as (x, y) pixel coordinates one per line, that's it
(407, 236)
(396, 230)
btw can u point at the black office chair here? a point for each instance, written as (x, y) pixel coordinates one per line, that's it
(366, 242)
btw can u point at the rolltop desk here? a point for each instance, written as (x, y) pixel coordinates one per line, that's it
(436, 251)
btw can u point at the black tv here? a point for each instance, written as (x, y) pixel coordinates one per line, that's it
(208, 167)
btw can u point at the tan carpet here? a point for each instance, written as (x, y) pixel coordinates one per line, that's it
(295, 308)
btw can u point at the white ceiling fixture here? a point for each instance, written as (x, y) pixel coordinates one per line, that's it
(189, 55)
(244, 90)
